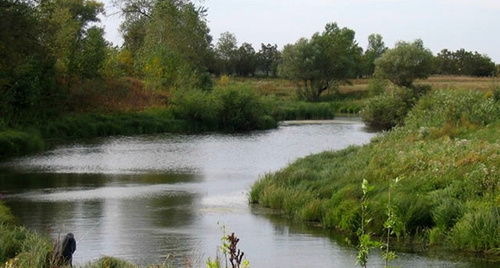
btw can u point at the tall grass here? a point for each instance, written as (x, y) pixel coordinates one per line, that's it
(231, 108)
(446, 156)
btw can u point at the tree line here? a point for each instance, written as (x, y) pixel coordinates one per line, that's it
(49, 47)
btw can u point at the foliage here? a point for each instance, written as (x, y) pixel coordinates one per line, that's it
(462, 62)
(226, 51)
(26, 66)
(229, 249)
(364, 237)
(19, 143)
(386, 111)
(226, 108)
(20, 247)
(376, 48)
(405, 63)
(246, 60)
(269, 58)
(321, 63)
(173, 43)
(446, 156)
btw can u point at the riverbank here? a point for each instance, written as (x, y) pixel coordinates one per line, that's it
(20, 247)
(445, 159)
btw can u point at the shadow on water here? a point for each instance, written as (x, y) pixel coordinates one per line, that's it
(117, 215)
(406, 255)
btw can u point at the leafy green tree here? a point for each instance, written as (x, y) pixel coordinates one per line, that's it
(26, 66)
(226, 51)
(462, 62)
(405, 63)
(323, 62)
(176, 44)
(246, 60)
(269, 58)
(92, 53)
(67, 24)
(446, 64)
(376, 48)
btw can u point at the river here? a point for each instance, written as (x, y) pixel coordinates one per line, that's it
(155, 198)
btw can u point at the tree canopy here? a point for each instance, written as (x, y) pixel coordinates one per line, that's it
(322, 62)
(405, 63)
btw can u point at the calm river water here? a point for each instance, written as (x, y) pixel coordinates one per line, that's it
(156, 197)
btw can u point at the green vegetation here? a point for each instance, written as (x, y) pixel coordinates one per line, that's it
(20, 247)
(446, 157)
(405, 63)
(321, 63)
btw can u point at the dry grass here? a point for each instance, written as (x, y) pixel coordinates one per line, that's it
(462, 82)
(287, 89)
(120, 95)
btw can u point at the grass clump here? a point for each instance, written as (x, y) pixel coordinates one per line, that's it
(20, 247)
(446, 157)
(19, 142)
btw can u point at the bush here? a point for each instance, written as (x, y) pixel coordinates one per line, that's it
(18, 143)
(384, 112)
(228, 109)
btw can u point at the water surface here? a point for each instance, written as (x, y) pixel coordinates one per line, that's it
(153, 198)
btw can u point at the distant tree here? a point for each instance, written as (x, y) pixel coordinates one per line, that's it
(462, 62)
(323, 62)
(376, 48)
(405, 63)
(446, 63)
(226, 52)
(246, 60)
(269, 58)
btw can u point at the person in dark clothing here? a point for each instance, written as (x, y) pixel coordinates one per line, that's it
(65, 249)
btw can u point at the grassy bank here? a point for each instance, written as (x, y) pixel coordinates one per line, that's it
(446, 158)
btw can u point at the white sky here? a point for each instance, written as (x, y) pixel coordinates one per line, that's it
(453, 24)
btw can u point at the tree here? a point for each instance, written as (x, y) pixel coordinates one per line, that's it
(246, 60)
(67, 23)
(405, 63)
(226, 50)
(92, 53)
(176, 44)
(323, 62)
(376, 48)
(26, 65)
(268, 59)
(462, 62)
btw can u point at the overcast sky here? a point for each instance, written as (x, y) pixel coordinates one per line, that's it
(470, 24)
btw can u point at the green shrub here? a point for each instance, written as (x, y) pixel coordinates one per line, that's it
(384, 112)
(230, 109)
(17, 143)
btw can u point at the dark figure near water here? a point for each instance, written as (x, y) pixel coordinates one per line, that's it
(65, 249)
